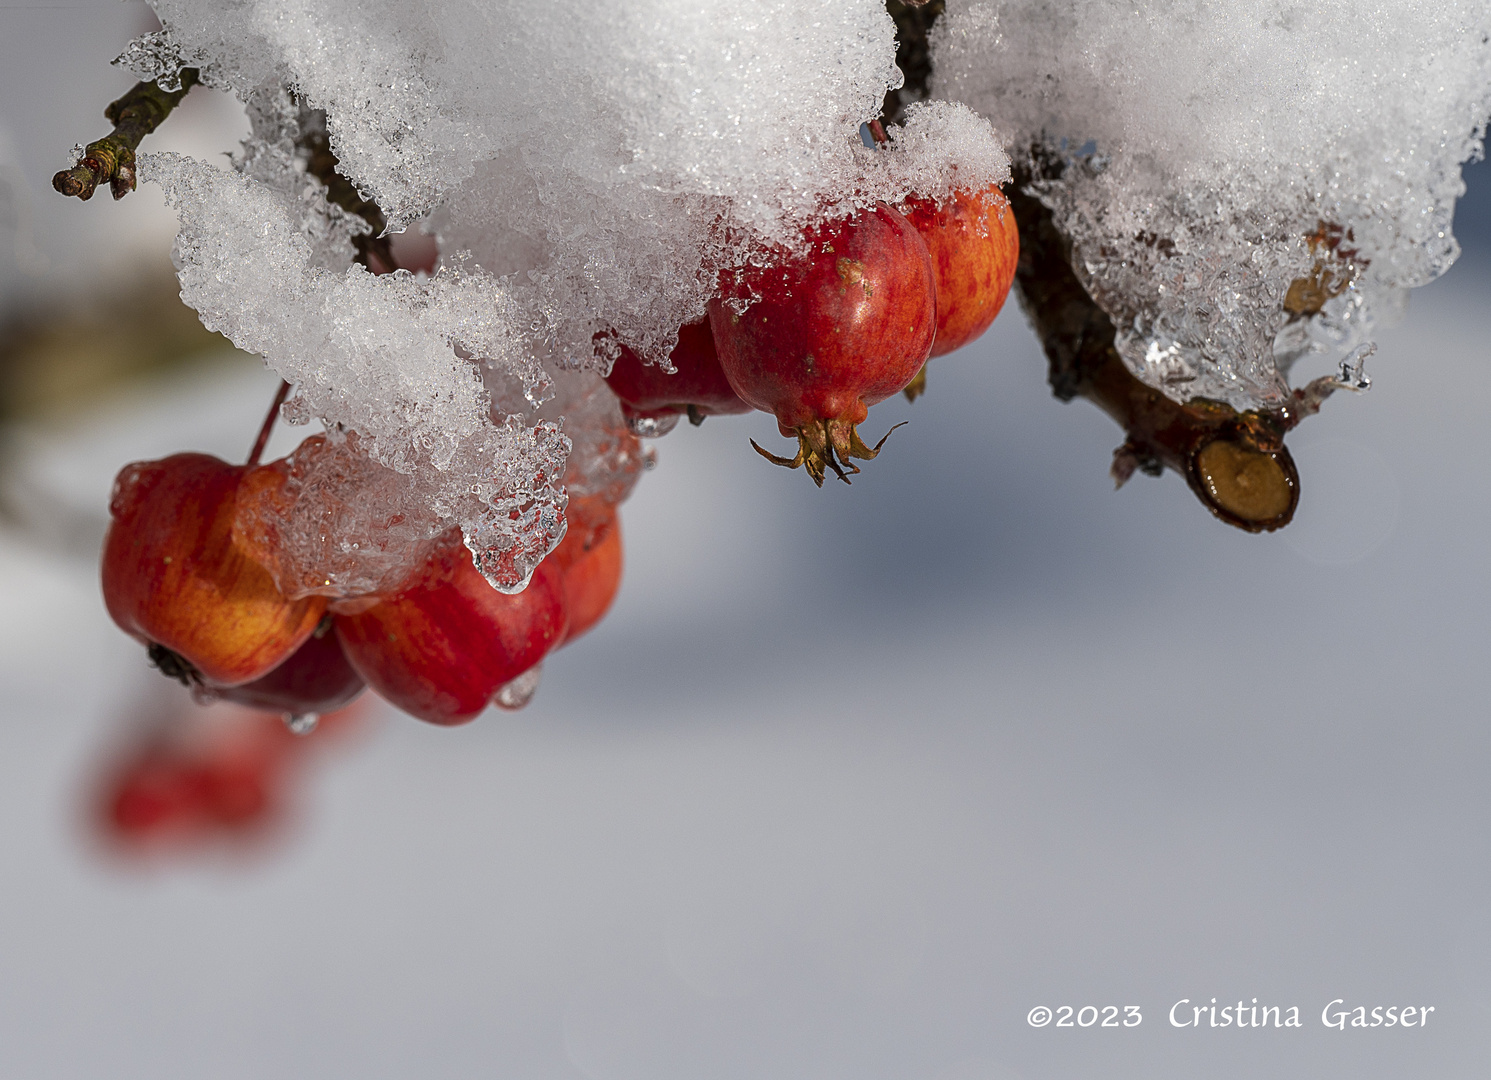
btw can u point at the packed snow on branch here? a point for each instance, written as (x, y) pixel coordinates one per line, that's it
(1244, 183)
(590, 168)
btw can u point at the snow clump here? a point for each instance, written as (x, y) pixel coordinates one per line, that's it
(589, 167)
(1216, 155)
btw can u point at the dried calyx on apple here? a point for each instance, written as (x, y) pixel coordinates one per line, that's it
(818, 337)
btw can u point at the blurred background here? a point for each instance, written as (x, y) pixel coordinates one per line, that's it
(846, 783)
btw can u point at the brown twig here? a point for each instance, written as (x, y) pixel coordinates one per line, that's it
(268, 426)
(1235, 462)
(914, 20)
(112, 158)
(373, 248)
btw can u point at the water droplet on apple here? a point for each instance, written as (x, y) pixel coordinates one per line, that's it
(516, 693)
(302, 723)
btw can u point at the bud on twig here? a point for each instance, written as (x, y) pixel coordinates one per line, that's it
(111, 159)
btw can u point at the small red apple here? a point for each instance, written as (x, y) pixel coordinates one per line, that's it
(174, 578)
(315, 680)
(441, 646)
(590, 560)
(697, 388)
(974, 246)
(821, 336)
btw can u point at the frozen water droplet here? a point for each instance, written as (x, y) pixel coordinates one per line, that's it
(302, 723)
(205, 695)
(296, 411)
(1353, 369)
(518, 692)
(651, 427)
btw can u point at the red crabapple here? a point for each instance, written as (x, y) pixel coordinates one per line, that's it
(441, 646)
(174, 578)
(697, 388)
(590, 560)
(821, 336)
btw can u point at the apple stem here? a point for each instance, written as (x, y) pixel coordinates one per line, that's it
(877, 132)
(268, 425)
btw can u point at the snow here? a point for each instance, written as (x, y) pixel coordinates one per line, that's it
(1208, 141)
(849, 780)
(579, 183)
(591, 187)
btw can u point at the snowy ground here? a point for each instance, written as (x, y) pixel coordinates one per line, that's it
(847, 783)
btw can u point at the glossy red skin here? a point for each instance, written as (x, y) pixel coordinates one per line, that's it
(444, 644)
(974, 246)
(835, 330)
(647, 390)
(316, 679)
(173, 575)
(590, 560)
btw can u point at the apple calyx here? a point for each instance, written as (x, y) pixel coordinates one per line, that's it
(917, 386)
(824, 445)
(173, 665)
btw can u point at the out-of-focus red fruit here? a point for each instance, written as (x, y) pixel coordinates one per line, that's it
(831, 332)
(202, 774)
(236, 791)
(191, 781)
(974, 246)
(164, 794)
(154, 794)
(441, 646)
(315, 680)
(174, 578)
(590, 560)
(697, 388)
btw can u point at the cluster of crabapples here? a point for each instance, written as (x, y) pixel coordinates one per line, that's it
(184, 572)
(815, 336)
(818, 336)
